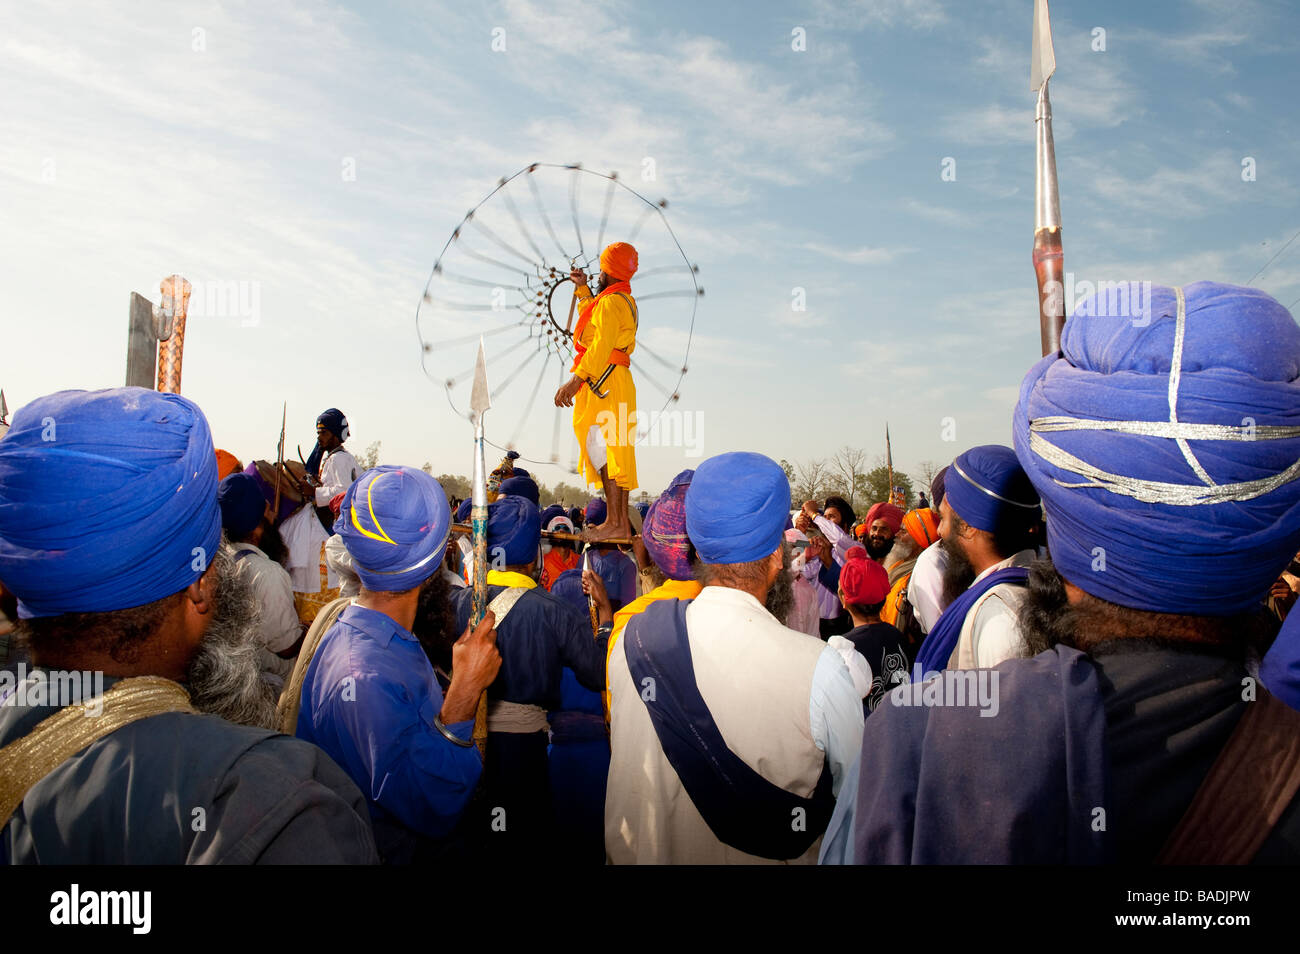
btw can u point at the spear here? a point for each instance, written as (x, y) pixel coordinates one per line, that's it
(479, 402)
(1049, 261)
(4, 413)
(279, 460)
(889, 467)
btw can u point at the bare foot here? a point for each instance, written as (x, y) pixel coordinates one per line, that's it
(607, 531)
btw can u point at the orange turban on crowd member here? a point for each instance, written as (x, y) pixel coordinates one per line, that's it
(227, 464)
(619, 261)
(921, 526)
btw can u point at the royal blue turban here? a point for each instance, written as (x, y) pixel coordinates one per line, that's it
(989, 490)
(1166, 447)
(596, 512)
(642, 508)
(519, 486)
(664, 530)
(394, 522)
(108, 500)
(242, 504)
(514, 529)
(463, 510)
(736, 508)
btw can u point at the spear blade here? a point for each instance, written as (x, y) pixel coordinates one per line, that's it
(1048, 255)
(4, 408)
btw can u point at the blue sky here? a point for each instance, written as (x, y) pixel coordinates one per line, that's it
(132, 146)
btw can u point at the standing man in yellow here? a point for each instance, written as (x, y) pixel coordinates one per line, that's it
(601, 391)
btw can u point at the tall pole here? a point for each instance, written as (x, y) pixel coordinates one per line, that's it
(480, 401)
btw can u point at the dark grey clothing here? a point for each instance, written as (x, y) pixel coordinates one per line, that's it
(180, 788)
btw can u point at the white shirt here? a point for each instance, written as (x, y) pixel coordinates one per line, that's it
(841, 542)
(925, 588)
(303, 535)
(337, 472)
(339, 561)
(991, 632)
(278, 626)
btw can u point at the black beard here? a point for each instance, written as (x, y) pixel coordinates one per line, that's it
(600, 284)
(272, 544)
(225, 675)
(878, 552)
(958, 575)
(1046, 618)
(780, 598)
(435, 621)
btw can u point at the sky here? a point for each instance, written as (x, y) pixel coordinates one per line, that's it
(854, 182)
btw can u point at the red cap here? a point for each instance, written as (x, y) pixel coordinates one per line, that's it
(336, 502)
(863, 581)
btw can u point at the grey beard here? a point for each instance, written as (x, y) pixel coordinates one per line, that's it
(225, 676)
(780, 598)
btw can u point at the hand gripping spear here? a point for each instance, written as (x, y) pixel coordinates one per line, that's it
(479, 402)
(1049, 267)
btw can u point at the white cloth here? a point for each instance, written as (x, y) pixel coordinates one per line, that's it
(841, 542)
(828, 603)
(303, 535)
(784, 702)
(278, 627)
(991, 632)
(337, 472)
(338, 562)
(596, 451)
(925, 588)
(857, 664)
(454, 581)
(805, 615)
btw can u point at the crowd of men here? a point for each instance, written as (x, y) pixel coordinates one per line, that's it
(1077, 651)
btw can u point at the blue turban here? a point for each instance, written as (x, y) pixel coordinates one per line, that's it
(736, 508)
(568, 587)
(664, 530)
(642, 508)
(334, 422)
(596, 512)
(550, 513)
(463, 509)
(514, 529)
(989, 490)
(524, 487)
(1166, 448)
(520, 472)
(242, 504)
(108, 500)
(394, 522)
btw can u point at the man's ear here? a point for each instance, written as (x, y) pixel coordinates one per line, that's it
(775, 563)
(201, 594)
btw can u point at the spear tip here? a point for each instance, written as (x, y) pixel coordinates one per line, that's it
(1042, 57)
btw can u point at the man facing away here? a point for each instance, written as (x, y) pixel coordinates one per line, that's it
(370, 697)
(128, 580)
(1136, 734)
(774, 714)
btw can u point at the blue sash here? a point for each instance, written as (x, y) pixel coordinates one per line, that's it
(938, 646)
(742, 809)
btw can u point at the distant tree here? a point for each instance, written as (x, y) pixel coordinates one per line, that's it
(810, 483)
(874, 486)
(567, 495)
(849, 463)
(427, 468)
(454, 485)
(370, 458)
(928, 470)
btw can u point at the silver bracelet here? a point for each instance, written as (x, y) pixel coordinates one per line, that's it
(605, 628)
(449, 735)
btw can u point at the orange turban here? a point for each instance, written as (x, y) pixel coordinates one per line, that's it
(618, 261)
(922, 526)
(227, 464)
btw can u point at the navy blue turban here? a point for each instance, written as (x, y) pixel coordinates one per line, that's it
(550, 513)
(242, 504)
(394, 522)
(523, 486)
(334, 422)
(108, 500)
(568, 587)
(989, 490)
(514, 529)
(736, 508)
(1166, 447)
(463, 508)
(596, 512)
(520, 472)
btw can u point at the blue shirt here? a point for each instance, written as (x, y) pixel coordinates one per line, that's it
(618, 572)
(369, 700)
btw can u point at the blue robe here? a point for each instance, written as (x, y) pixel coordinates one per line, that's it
(369, 700)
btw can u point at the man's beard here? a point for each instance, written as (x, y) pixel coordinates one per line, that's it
(958, 575)
(600, 284)
(1046, 617)
(780, 598)
(435, 621)
(878, 551)
(272, 544)
(225, 675)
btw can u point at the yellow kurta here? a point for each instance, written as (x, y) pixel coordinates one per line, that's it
(612, 325)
